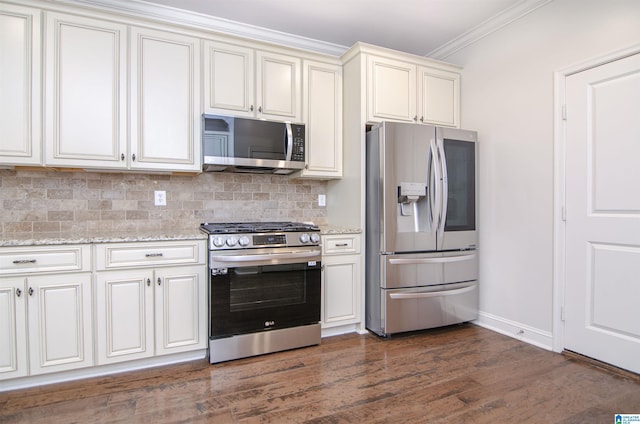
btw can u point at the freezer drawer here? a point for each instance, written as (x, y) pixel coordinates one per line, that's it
(425, 269)
(428, 307)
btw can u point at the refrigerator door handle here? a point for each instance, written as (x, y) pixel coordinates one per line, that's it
(444, 192)
(431, 183)
(424, 295)
(437, 187)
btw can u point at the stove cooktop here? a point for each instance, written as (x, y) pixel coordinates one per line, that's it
(256, 227)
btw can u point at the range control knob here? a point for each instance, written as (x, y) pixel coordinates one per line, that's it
(315, 238)
(232, 241)
(304, 238)
(244, 241)
(218, 241)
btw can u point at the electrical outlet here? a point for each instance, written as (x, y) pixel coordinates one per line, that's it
(322, 200)
(160, 198)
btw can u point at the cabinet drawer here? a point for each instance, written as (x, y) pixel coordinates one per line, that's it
(336, 245)
(31, 259)
(126, 255)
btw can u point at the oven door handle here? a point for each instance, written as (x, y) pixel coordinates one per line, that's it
(266, 257)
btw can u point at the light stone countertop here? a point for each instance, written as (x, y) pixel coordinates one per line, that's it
(331, 229)
(45, 239)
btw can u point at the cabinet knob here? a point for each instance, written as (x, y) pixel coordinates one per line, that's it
(251, 108)
(415, 118)
(122, 156)
(422, 119)
(18, 292)
(133, 157)
(260, 109)
(148, 282)
(159, 280)
(30, 291)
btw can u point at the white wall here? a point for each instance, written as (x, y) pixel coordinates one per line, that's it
(508, 96)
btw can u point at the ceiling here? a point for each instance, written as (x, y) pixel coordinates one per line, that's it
(421, 27)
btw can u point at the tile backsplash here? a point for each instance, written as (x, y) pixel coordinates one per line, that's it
(52, 202)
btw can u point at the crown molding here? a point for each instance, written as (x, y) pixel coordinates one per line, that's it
(199, 21)
(487, 27)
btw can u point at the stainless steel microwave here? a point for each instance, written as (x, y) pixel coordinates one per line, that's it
(252, 145)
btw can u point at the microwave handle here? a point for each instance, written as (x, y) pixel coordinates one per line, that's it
(289, 148)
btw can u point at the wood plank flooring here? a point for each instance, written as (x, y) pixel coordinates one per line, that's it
(462, 374)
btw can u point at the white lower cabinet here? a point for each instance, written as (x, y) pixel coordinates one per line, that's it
(45, 317)
(153, 308)
(341, 280)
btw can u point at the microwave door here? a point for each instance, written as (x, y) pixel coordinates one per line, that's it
(457, 151)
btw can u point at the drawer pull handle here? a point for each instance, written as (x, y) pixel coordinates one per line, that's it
(153, 255)
(148, 282)
(24, 261)
(30, 291)
(342, 244)
(18, 292)
(159, 280)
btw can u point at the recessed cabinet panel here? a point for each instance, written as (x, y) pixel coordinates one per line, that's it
(440, 95)
(392, 89)
(60, 330)
(85, 91)
(278, 86)
(228, 82)
(13, 343)
(165, 101)
(323, 116)
(124, 310)
(340, 294)
(180, 309)
(20, 85)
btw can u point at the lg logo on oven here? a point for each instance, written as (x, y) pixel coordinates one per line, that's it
(269, 323)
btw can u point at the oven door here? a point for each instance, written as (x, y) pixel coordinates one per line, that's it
(263, 289)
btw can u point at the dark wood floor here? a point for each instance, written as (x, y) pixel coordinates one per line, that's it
(461, 374)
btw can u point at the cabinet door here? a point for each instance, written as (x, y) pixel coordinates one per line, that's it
(165, 101)
(86, 105)
(323, 118)
(59, 322)
(20, 137)
(439, 97)
(391, 90)
(124, 315)
(341, 283)
(278, 90)
(180, 305)
(228, 79)
(13, 330)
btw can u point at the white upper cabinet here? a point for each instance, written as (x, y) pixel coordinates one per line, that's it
(439, 97)
(323, 117)
(165, 99)
(405, 91)
(391, 90)
(229, 79)
(20, 134)
(242, 81)
(278, 90)
(86, 82)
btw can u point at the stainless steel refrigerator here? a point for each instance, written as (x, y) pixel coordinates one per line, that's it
(421, 232)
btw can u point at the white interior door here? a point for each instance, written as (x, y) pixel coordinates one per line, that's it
(602, 294)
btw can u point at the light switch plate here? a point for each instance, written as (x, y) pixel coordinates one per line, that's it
(322, 200)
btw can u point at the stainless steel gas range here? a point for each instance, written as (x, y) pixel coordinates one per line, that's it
(264, 288)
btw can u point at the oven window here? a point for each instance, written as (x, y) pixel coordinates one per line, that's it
(259, 298)
(262, 287)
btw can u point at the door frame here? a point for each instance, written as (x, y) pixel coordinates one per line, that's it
(559, 195)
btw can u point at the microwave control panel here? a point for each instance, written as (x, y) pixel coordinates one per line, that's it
(298, 143)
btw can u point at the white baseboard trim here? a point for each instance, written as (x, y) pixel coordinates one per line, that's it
(101, 370)
(336, 331)
(525, 333)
